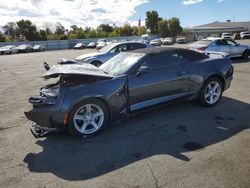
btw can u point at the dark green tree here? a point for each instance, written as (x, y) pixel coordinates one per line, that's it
(163, 30)
(126, 30)
(43, 35)
(105, 27)
(10, 29)
(142, 31)
(152, 18)
(60, 30)
(174, 26)
(2, 37)
(27, 29)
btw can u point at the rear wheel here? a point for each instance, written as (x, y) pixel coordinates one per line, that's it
(88, 118)
(211, 92)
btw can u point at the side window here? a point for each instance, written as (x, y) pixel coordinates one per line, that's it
(224, 42)
(135, 46)
(163, 61)
(119, 48)
(231, 43)
(221, 42)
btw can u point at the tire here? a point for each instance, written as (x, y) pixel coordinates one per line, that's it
(83, 124)
(96, 63)
(211, 92)
(245, 54)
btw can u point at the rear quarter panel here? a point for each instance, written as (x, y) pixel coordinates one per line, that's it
(202, 70)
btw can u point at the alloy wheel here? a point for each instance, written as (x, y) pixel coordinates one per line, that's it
(88, 118)
(212, 92)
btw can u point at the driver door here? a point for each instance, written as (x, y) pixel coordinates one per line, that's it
(165, 79)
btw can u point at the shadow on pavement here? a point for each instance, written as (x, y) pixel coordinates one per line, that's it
(172, 130)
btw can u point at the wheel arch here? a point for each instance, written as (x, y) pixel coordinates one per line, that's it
(93, 98)
(218, 76)
(246, 50)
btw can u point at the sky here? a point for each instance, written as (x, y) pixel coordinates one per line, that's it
(91, 13)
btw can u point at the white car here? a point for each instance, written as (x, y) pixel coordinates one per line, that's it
(11, 49)
(226, 36)
(168, 41)
(225, 46)
(156, 42)
(245, 35)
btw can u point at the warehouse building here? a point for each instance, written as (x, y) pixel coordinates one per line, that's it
(216, 28)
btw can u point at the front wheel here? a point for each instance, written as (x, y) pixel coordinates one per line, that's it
(211, 92)
(88, 118)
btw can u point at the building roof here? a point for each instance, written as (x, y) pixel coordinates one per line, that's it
(221, 27)
(225, 24)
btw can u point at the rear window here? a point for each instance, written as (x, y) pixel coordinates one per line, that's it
(203, 42)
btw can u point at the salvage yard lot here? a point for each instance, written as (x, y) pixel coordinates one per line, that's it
(181, 145)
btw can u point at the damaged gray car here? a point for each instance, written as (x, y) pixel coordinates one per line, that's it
(87, 98)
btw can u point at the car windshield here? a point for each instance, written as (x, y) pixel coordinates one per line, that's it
(107, 48)
(203, 42)
(121, 63)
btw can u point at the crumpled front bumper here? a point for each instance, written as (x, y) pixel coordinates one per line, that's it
(46, 117)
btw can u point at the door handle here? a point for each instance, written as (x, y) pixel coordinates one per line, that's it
(181, 73)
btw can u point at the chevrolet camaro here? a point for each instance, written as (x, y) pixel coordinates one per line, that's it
(86, 99)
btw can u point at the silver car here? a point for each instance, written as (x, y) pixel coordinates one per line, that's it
(230, 47)
(156, 42)
(11, 49)
(109, 51)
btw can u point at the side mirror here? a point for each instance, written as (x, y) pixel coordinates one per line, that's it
(142, 69)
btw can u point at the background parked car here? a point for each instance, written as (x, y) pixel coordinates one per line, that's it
(245, 35)
(226, 36)
(156, 42)
(236, 36)
(80, 45)
(168, 41)
(38, 48)
(100, 45)
(91, 45)
(10, 49)
(181, 40)
(24, 48)
(109, 51)
(200, 37)
(229, 47)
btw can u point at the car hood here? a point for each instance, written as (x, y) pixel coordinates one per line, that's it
(84, 69)
(82, 57)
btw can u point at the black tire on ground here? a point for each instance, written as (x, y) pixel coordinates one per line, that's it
(72, 128)
(96, 63)
(202, 98)
(246, 54)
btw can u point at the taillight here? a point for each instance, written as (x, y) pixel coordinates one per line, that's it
(202, 48)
